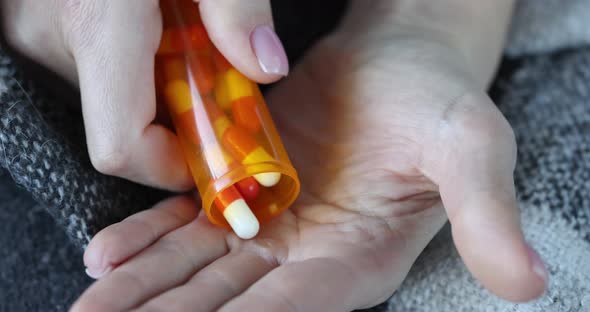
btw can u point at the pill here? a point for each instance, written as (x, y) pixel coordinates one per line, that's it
(221, 63)
(187, 124)
(249, 188)
(237, 213)
(197, 37)
(178, 96)
(238, 85)
(268, 179)
(203, 72)
(245, 113)
(159, 78)
(180, 40)
(230, 86)
(174, 68)
(245, 148)
(196, 69)
(238, 142)
(178, 13)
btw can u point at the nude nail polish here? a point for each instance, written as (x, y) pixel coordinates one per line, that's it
(269, 50)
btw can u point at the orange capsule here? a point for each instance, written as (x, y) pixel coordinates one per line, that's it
(230, 86)
(178, 13)
(237, 213)
(193, 36)
(180, 40)
(239, 143)
(221, 63)
(243, 147)
(198, 37)
(203, 72)
(174, 68)
(187, 123)
(245, 113)
(249, 188)
(159, 80)
(226, 198)
(165, 44)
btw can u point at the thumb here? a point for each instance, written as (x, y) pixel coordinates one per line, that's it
(244, 33)
(475, 178)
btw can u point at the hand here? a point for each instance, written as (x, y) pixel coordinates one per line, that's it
(388, 133)
(107, 48)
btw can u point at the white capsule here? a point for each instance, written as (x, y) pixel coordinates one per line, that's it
(241, 219)
(268, 179)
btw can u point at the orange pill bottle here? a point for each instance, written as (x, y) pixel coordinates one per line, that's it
(229, 140)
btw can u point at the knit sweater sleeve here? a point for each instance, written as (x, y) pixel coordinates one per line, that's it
(547, 25)
(42, 148)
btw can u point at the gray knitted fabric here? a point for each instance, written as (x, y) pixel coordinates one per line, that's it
(541, 26)
(546, 99)
(39, 270)
(55, 170)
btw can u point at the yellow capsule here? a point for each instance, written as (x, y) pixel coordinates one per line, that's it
(220, 125)
(231, 86)
(260, 155)
(178, 95)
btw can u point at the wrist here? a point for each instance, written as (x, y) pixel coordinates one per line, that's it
(475, 29)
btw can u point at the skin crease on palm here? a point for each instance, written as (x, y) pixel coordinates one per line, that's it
(391, 133)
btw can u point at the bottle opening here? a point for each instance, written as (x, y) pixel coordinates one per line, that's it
(267, 202)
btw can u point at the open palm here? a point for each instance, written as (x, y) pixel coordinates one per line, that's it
(384, 139)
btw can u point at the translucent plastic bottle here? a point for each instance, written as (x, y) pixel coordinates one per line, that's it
(234, 152)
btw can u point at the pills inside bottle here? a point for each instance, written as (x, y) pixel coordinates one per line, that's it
(227, 135)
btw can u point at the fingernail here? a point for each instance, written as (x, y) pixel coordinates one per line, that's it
(269, 50)
(537, 264)
(96, 274)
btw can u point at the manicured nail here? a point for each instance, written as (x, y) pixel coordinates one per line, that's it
(269, 50)
(537, 264)
(96, 274)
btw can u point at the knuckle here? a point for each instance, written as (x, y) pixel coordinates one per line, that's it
(80, 20)
(17, 37)
(24, 29)
(85, 21)
(492, 130)
(478, 124)
(16, 33)
(111, 159)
